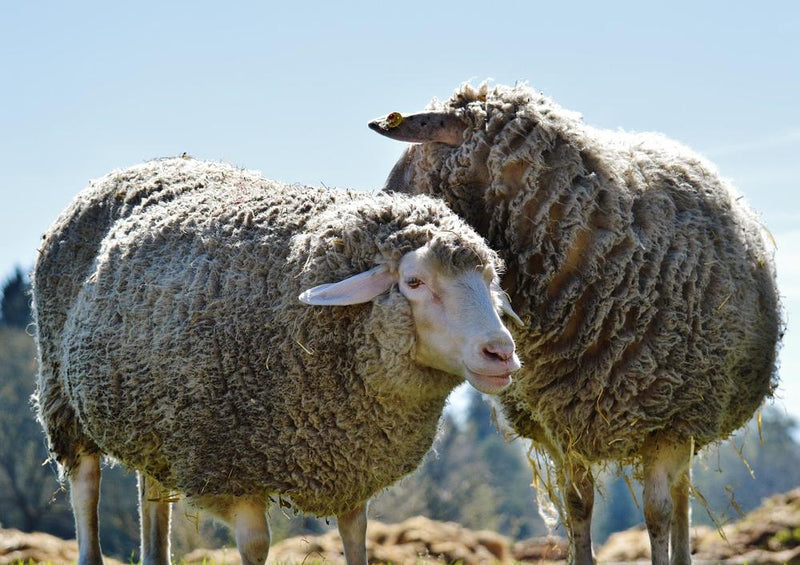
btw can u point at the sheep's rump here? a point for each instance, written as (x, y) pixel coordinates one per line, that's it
(186, 353)
(646, 283)
(68, 250)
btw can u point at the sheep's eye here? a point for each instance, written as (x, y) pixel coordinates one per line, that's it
(413, 282)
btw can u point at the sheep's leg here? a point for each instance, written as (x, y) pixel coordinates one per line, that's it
(680, 542)
(353, 529)
(251, 529)
(84, 486)
(664, 465)
(578, 489)
(154, 514)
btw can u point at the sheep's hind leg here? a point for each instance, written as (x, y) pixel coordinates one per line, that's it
(680, 541)
(665, 463)
(84, 486)
(154, 513)
(578, 490)
(353, 529)
(251, 529)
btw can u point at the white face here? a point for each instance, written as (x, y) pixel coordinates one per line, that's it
(457, 323)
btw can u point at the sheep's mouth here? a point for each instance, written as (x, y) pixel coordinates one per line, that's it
(488, 383)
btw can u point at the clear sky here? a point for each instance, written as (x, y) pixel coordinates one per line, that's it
(287, 89)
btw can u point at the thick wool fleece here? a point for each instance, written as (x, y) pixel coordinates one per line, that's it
(68, 251)
(186, 353)
(645, 282)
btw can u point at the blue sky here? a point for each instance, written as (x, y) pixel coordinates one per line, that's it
(88, 87)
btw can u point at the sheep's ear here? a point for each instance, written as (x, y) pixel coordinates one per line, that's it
(505, 305)
(443, 127)
(357, 289)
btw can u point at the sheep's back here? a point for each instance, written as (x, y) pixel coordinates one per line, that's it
(650, 295)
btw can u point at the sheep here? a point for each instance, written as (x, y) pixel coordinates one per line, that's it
(171, 339)
(645, 283)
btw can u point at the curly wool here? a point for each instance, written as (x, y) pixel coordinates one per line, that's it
(645, 282)
(68, 251)
(187, 355)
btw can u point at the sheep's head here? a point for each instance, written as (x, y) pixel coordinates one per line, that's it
(455, 144)
(420, 169)
(442, 162)
(456, 309)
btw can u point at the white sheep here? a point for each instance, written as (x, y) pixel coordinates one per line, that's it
(171, 338)
(646, 285)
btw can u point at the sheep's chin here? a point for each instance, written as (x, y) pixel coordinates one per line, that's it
(488, 384)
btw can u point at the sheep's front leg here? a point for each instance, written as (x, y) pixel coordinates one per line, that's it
(84, 487)
(665, 464)
(353, 529)
(680, 541)
(578, 489)
(154, 514)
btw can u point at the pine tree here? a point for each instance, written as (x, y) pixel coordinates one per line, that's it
(26, 485)
(735, 476)
(16, 307)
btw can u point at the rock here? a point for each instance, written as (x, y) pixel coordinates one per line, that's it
(223, 556)
(497, 545)
(629, 545)
(39, 548)
(550, 548)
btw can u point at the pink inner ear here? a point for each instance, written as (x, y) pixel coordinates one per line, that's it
(357, 289)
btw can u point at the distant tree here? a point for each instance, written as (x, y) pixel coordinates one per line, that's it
(16, 306)
(509, 472)
(473, 476)
(729, 478)
(738, 474)
(615, 508)
(28, 486)
(436, 488)
(31, 497)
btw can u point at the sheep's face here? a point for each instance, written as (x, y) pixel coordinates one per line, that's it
(457, 321)
(455, 304)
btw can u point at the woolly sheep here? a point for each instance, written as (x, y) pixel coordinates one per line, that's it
(645, 283)
(171, 338)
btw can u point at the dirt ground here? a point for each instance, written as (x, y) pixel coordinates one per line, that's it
(770, 535)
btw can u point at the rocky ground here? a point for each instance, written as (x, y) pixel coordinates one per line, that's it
(416, 540)
(770, 535)
(37, 547)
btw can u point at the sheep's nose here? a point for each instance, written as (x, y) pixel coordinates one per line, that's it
(498, 350)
